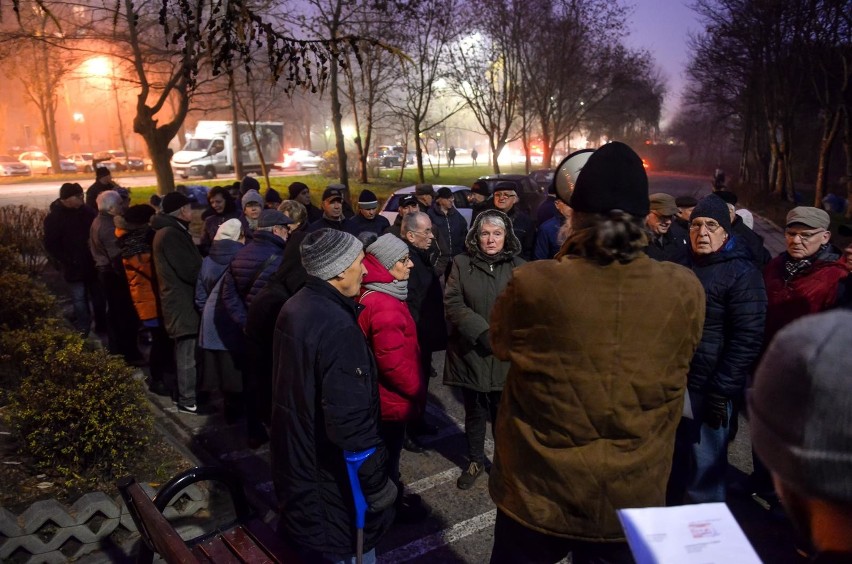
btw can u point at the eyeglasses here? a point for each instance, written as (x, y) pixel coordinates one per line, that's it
(711, 226)
(505, 195)
(425, 232)
(802, 235)
(403, 260)
(663, 218)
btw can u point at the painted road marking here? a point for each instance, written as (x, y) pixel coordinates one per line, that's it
(434, 541)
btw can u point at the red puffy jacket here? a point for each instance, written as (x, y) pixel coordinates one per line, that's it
(392, 335)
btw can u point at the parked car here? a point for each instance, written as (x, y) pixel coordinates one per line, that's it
(39, 162)
(107, 160)
(460, 193)
(543, 178)
(530, 195)
(130, 162)
(385, 157)
(300, 159)
(83, 161)
(10, 166)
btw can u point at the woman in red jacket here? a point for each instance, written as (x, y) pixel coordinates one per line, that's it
(392, 335)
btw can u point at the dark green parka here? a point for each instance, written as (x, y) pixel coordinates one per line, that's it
(473, 286)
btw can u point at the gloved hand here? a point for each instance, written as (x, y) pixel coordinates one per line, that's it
(716, 411)
(484, 342)
(383, 498)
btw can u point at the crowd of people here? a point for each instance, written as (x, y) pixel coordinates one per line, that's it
(610, 342)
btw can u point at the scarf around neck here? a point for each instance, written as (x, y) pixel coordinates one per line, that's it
(794, 267)
(397, 289)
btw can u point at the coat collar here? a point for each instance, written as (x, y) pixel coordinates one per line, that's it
(329, 292)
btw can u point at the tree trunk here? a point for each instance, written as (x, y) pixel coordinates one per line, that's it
(494, 150)
(235, 125)
(831, 124)
(847, 151)
(337, 119)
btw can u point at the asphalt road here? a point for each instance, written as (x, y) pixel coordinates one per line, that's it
(40, 193)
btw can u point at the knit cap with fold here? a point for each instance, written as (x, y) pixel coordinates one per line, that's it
(388, 249)
(713, 207)
(328, 252)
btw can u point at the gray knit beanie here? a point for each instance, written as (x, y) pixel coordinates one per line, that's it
(800, 406)
(388, 249)
(328, 252)
(252, 196)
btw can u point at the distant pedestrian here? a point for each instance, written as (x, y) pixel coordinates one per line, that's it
(451, 156)
(473, 155)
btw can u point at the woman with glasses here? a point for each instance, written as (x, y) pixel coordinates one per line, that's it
(392, 335)
(476, 279)
(729, 347)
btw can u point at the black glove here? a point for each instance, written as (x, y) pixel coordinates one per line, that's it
(484, 342)
(716, 411)
(382, 499)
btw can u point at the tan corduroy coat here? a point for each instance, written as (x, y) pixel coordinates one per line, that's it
(599, 356)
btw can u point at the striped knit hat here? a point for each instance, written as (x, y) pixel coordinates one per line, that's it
(328, 252)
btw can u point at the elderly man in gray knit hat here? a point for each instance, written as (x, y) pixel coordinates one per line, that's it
(800, 406)
(326, 402)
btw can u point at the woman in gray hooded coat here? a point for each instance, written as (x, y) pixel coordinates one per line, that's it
(476, 279)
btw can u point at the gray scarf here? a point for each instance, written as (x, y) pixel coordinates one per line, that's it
(397, 289)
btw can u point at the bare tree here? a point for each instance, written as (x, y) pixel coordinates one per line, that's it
(38, 60)
(427, 37)
(484, 70)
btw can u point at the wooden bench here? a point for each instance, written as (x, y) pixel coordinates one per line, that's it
(246, 539)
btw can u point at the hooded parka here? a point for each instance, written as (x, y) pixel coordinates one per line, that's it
(473, 286)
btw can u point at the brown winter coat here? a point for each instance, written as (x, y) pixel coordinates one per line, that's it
(599, 356)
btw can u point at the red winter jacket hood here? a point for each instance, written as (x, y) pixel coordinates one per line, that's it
(392, 335)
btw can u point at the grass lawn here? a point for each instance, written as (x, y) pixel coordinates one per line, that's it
(383, 185)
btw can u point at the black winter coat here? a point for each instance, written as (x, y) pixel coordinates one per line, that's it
(450, 230)
(326, 401)
(66, 240)
(358, 224)
(734, 323)
(426, 302)
(672, 246)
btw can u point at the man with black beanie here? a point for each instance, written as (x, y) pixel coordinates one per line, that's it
(729, 347)
(300, 192)
(103, 182)
(368, 217)
(66, 240)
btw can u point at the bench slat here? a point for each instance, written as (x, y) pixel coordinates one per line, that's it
(280, 551)
(200, 556)
(245, 546)
(217, 551)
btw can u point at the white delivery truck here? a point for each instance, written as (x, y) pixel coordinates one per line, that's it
(209, 150)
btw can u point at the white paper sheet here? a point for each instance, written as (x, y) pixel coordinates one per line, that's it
(686, 534)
